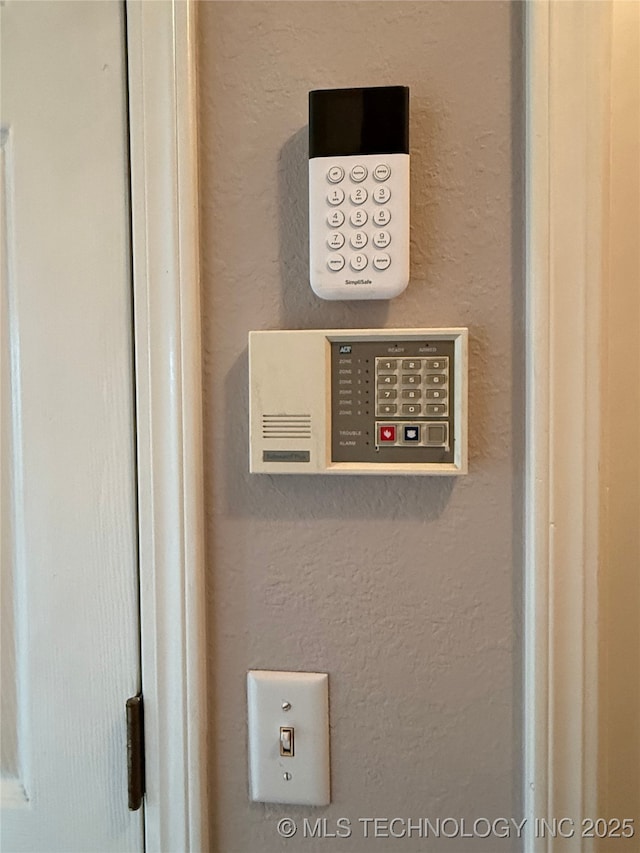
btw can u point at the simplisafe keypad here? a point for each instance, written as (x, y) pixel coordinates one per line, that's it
(359, 192)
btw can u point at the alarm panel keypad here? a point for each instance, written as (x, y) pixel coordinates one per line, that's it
(392, 401)
(412, 388)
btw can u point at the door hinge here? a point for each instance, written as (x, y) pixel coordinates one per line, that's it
(135, 751)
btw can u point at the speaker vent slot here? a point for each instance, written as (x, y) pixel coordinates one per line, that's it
(286, 426)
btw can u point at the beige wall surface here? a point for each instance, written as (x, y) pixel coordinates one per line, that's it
(619, 694)
(407, 591)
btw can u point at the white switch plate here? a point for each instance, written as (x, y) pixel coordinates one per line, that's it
(268, 694)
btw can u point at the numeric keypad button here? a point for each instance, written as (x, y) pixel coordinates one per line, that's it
(336, 240)
(358, 218)
(335, 263)
(412, 394)
(436, 409)
(381, 172)
(359, 195)
(336, 196)
(437, 363)
(436, 394)
(387, 409)
(359, 240)
(335, 218)
(435, 379)
(387, 393)
(358, 262)
(382, 217)
(387, 364)
(382, 261)
(411, 379)
(411, 409)
(358, 173)
(381, 239)
(335, 174)
(391, 379)
(381, 195)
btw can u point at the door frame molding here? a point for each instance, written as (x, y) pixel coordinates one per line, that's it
(166, 299)
(567, 132)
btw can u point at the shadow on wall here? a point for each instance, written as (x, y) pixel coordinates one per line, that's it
(295, 496)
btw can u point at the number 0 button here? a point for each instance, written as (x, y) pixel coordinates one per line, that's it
(358, 262)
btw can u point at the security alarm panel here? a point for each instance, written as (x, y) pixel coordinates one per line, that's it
(374, 401)
(359, 192)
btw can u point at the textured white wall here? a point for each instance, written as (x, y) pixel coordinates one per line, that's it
(407, 591)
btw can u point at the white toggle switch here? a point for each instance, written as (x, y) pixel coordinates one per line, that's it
(286, 741)
(289, 737)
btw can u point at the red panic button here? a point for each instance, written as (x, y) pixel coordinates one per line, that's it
(386, 433)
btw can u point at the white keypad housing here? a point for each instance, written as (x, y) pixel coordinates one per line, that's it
(359, 226)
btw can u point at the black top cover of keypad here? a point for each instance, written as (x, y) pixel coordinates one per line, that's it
(372, 120)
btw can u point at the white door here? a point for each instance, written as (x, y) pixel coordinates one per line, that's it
(70, 636)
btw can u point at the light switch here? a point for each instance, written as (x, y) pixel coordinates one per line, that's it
(286, 741)
(289, 737)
